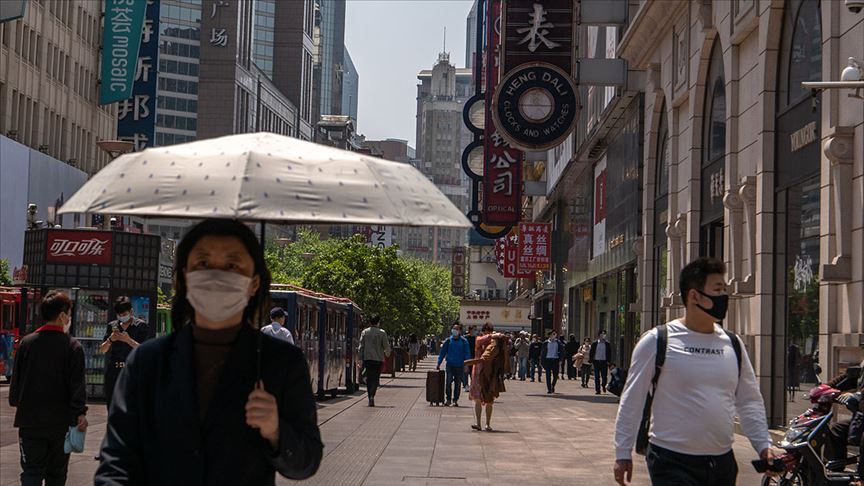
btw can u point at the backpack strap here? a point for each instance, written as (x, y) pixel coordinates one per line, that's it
(736, 345)
(660, 357)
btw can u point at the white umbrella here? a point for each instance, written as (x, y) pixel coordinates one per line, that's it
(266, 177)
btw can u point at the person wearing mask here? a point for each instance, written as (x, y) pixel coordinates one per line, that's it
(413, 352)
(472, 341)
(215, 402)
(48, 393)
(551, 354)
(455, 350)
(599, 357)
(374, 349)
(570, 350)
(534, 350)
(582, 361)
(523, 347)
(705, 378)
(122, 336)
(277, 328)
(490, 367)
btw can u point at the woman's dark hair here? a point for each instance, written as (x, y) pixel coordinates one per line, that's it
(572, 337)
(487, 328)
(695, 274)
(182, 312)
(374, 319)
(53, 304)
(122, 304)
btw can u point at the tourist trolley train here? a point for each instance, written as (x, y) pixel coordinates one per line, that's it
(327, 330)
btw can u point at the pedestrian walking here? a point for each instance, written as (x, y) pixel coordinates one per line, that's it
(571, 348)
(699, 378)
(455, 350)
(583, 361)
(534, 358)
(551, 354)
(562, 363)
(277, 328)
(374, 349)
(122, 336)
(490, 367)
(523, 347)
(599, 357)
(472, 341)
(413, 351)
(48, 393)
(193, 407)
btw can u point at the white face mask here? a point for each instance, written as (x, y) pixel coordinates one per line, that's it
(216, 294)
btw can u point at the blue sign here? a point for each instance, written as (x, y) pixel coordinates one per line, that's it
(120, 42)
(136, 115)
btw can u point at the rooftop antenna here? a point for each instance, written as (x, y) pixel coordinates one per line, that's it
(445, 39)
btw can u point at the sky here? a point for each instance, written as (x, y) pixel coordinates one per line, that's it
(390, 41)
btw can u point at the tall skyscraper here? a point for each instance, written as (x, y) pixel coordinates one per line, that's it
(471, 36)
(350, 87)
(330, 63)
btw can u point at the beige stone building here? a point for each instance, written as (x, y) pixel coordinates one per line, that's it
(49, 72)
(743, 163)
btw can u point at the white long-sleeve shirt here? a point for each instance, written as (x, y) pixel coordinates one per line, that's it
(278, 331)
(698, 394)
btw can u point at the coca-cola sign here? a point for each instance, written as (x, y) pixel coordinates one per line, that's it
(79, 247)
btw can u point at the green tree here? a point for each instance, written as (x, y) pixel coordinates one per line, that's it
(5, 278)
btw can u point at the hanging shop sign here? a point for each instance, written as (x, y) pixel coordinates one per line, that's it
(535, 240)
(535, 106)
(457, 274)
(136, 116)
(502, 168)
(121, 39)
(507, 257)
(90, 247)
(538, 31)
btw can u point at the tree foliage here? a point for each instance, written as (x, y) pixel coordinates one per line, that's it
(5, 278)
(410, 295)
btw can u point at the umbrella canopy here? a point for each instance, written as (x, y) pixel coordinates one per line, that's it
(266, 177)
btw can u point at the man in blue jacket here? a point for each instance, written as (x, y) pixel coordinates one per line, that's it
(456, 350)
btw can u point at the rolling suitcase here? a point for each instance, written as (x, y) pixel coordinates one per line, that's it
(435, 387)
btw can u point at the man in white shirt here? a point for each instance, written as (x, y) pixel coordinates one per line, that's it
(700, 390)
(599, 357)
(551, 355)
(277, 327)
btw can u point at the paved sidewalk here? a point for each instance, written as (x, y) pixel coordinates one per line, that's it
(561, 439)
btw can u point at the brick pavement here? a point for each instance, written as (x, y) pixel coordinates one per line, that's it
(562, 439)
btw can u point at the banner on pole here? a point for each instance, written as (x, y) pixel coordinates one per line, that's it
(121, 39)
(535, 241)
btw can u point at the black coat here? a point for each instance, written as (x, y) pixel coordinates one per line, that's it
(154, 434)
(594, 351)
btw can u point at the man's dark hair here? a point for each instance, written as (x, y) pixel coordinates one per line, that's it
(54, 304)
(572, 337)
(471, 328)
(456, 324)
(122, 304)
(601, 331)
(487, 328)
(694, 275)
(374, 319)
(276, 313)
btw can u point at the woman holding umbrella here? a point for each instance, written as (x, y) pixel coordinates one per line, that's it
(487, 377)
(192, 407)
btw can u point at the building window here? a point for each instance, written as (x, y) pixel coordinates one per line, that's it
(661, 216)
(713, 158)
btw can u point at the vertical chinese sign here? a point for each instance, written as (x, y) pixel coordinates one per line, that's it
(457, 276)
(599, 208)
(535, 245)
(121, 39)
(502, 171)
(538, 31)
(136, 116)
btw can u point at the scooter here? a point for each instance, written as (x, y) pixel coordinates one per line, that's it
(805, 444)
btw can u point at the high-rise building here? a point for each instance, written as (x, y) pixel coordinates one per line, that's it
(471, 36)
(330, 46)
(441, 137)
(293, 63)
(49, 72)
(350, 87)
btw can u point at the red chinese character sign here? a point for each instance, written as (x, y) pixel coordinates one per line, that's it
(535, 246)
(92, 247)
(507, 257)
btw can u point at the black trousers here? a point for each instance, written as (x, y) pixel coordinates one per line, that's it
(42, 456)
(111, 375)
(586, 373)
(668, 468)
(571, 369)
(600, 371)
(373, 376)
(551, 366)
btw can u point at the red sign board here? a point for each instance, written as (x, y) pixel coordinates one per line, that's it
(88, 247)
(502, 170)
(600, 197)
(538, 31)
(535, 246)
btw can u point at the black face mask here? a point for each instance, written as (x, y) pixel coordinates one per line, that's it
(721, 304)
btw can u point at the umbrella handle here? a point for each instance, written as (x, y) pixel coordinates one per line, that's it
(261, 309)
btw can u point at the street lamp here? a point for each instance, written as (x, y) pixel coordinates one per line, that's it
(115, 148)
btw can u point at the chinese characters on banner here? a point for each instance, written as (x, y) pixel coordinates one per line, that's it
(535, 247)
(537, 31)
(599, 208)
(218, 35)
(511, 258)
(79, 247)
(457, 277)
(121, 37)
(502, 171)
(136, 116)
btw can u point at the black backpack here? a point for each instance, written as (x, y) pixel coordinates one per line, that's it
(659, 360)
(617, 381)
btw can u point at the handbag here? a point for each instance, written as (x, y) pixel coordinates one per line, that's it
(74, 440)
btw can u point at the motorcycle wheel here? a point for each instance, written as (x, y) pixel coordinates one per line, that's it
(795, 479)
